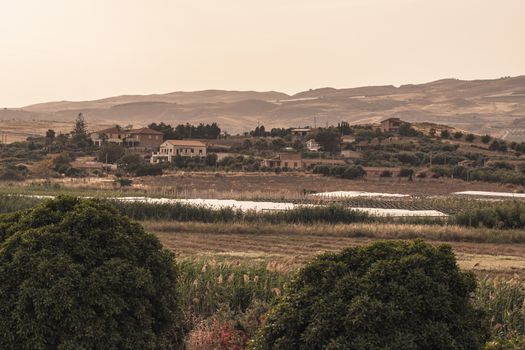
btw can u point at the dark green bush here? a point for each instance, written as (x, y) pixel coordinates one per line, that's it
(406, 172)
(354, 172)
(78, 275)
(390, 295)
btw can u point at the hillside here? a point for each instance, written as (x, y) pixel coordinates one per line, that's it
(494, 106)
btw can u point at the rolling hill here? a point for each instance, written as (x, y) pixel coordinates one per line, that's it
(482, 106)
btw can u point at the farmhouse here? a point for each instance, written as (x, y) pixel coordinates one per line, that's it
(301, 131)
(313, 146)
(391, 125)
(296, 161)
(143, 138)
(182, 148)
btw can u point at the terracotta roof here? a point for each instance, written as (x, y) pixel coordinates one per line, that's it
(112, 130)
(146, 131)
(189, 143)
(396, 119)
(290, 156)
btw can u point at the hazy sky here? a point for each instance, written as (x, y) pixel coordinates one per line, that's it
(86, 49)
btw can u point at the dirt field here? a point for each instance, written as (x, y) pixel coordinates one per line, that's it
(296, 249)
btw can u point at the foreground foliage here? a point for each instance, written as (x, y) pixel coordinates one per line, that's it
(75, 274)
(394, 295)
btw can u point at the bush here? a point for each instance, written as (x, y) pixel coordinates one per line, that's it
(470, 137)
(458, 135)
(390, 295)
(11, 175)
(78, 275)
(124, 182)
(148, 170)
(385, 173)
(486, 138)
(353, 172)
(406, 172)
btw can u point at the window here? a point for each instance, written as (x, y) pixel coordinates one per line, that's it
(149, 137)
(200, 151)
(286, 164)
(156, 137)
(295, 165)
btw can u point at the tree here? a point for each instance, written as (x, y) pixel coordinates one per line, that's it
(445, 134)
(50, 136)
(458, 135)
(76, 274)
(110, 153)
(79, 134)
(494, 145)
(329, 140)
(470, 137)
(80, 127)
(486, 138)
(405, 129)
(389, 295)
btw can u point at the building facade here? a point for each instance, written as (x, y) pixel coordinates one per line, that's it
(391, 125)
(143, 138)
(170, 149)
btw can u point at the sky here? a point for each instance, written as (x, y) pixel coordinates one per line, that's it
(87, 49)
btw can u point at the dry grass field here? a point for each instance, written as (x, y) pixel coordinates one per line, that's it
(294, 245)
(296, 183)
(289, 186)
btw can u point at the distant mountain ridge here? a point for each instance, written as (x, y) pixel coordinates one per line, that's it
(482, 106)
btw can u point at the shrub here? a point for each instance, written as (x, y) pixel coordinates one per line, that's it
(385, 173)
(486, 138)
(353, 172)
(406, 172)
(148, 170)
(470, 137)
(124, 182)
(390, 295)
(458, 135)
(11, 175)
(78, 275)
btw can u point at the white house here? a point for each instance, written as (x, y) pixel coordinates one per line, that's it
(183, 148)
(313, 146)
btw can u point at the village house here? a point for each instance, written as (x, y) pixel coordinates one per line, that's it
(313, 146)
(302, 132)
(143, 138)
(391, 125)
(182, 148)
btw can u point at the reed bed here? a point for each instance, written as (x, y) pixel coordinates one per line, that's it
(503, 300)
(208, 284)
(221, 292)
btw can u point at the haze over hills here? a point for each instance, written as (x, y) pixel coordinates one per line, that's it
(482, 106)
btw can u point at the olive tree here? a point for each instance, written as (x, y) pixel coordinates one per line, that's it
(75, 274)
(390, 295)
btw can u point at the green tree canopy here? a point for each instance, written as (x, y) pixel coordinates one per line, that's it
(390, 295)
(329, 140)
(78, 275)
